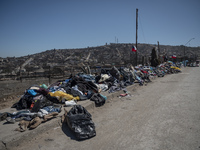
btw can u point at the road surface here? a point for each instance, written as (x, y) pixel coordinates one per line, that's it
(164, 115)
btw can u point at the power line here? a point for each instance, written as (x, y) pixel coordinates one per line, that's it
(142, 29)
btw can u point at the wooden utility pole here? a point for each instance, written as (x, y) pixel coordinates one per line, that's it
(136, 35)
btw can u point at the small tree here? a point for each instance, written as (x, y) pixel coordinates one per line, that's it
(154, 59)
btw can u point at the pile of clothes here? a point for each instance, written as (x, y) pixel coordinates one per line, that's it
(40, 103)
(148, 72)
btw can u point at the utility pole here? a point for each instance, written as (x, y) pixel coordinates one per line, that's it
(136, 35)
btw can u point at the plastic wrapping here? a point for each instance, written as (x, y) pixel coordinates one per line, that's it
(80, 122)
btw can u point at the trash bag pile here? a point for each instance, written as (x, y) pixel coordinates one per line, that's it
(80, 122)
(40, 103)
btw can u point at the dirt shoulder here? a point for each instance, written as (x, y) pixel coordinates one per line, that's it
(8, 101)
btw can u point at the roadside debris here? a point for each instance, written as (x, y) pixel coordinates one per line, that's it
(80, 122)
(41, 103)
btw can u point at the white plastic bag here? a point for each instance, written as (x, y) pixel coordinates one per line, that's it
(70, 103)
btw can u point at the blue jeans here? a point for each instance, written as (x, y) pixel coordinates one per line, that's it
(51, 109)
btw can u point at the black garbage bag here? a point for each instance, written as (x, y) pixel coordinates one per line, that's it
(24, 102)
(80, 122)
(98, 99)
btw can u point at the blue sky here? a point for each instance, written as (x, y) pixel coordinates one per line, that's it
(33, 26)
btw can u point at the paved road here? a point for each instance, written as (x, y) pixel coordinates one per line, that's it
(164, 115)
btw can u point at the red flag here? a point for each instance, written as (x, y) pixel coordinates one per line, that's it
(134, 49)
(173, 56)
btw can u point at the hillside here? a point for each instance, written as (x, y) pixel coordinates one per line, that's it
(113, 53)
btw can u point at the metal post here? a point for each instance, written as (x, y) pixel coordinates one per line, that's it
(184, 50)
(184, 57)
(136, 35)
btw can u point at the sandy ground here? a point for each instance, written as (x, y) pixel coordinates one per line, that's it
(9, 101)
